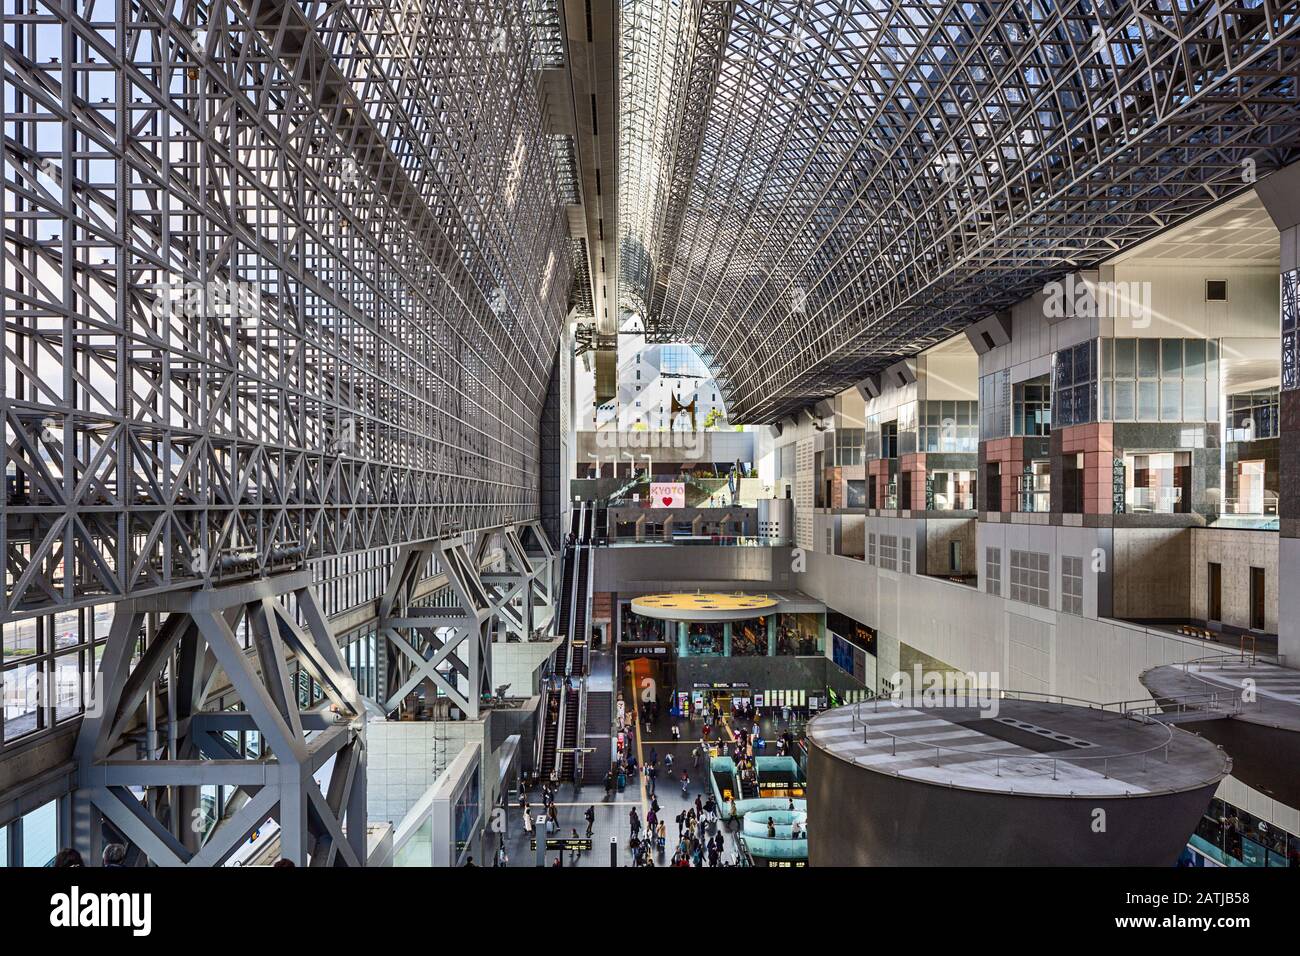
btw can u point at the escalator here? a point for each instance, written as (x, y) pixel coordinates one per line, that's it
(571, 714)
(562, 621)
(578, 659)
(724, 780)
(550, 733)
(580, 608)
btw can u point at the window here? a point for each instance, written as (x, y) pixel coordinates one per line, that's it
(949, 427)
(906, 554)
(1032, 409)
(1074, 384)
(1216, 290)
(1072, 585)
(40, 832)
(1253, 415)
(995, 405)
(871, 548)
(849, 444)
(889, 552)
(1029, 578)
(1150, 380)
(993, 570)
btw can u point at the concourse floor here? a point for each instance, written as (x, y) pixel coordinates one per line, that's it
(612, 814)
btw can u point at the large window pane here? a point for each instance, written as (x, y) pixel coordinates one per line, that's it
(19, 640)
(41, 835)
(1171, 401)
(1194, 358)
(21, 695)
(1148, 358)
(1171, 358)
(1125, 402)
(1148, 401)
(68, 683)
(1125, 358)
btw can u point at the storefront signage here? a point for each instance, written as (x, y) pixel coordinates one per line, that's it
(645, 649)
(719, 685)
(1117, 483)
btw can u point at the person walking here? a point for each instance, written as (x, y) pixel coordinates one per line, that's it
(686, 783)
(591, 819)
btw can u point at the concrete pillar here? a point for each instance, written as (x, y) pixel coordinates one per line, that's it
(771, 635)
(726, 639)
(1280, 194)
(683, 646)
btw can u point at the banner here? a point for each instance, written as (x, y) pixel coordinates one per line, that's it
(667, 494)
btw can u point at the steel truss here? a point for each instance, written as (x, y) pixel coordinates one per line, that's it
(856, 180)
(282, 282)
(198, 651)
(448, 643)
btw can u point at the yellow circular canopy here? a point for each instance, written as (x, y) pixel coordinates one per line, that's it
(697, 606)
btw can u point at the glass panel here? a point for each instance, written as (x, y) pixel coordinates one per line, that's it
(21, 695)
(1194, 358)
(4, 846)
(1194, 401)
(1148, 401)
(1125, 410)
(67, 686)
(1125, 358)
(1106, 362)
(418, 848)
(1171, 401)
(1171, 358)
(41, 835)
(1148, 358)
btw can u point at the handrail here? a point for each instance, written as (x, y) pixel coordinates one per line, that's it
(940, 749)
(1221, 660)
(581, 741)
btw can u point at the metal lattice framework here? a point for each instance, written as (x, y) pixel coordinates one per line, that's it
(281, 281)
(854, 181)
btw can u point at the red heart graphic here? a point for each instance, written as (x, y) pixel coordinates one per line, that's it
(668, 499)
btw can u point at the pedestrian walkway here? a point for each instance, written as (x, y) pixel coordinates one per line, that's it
(612, 814)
